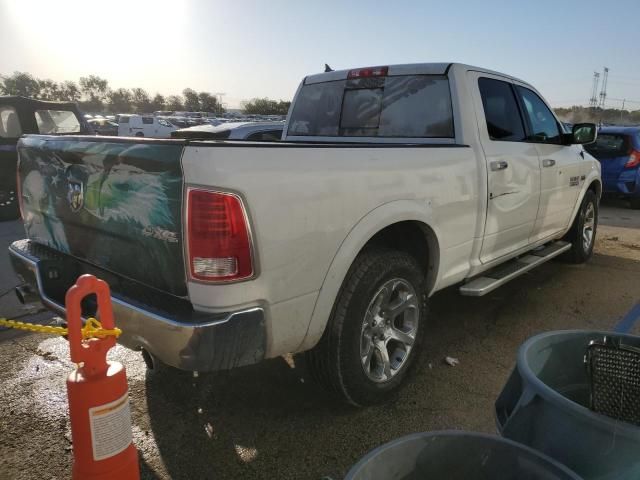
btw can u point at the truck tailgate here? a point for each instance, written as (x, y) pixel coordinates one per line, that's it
(116, 204)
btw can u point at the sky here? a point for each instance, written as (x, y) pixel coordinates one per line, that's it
(247, 49)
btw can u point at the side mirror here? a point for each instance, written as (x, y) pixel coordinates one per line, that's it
(583, 133)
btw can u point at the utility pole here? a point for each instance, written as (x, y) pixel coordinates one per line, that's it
(603, 92)
(219, 96)
(622, 109)
(593, 101)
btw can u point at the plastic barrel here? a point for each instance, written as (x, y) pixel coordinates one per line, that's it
(455, 455)
(545, 405)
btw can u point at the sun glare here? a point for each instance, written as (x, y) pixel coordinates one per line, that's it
(99, 37)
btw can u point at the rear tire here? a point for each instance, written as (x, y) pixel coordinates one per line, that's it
(380, 308)
(634, 203)
(139, 134)
(583, 232)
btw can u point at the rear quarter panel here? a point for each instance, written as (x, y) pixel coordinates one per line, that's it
(303, 203)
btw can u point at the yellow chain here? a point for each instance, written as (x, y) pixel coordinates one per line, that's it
(92, 328)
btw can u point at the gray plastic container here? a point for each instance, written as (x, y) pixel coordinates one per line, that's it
(455, 455)
(545, 405)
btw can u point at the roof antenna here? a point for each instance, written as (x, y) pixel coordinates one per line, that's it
(327, 68)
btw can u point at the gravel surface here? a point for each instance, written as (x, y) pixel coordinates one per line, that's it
(271, 421)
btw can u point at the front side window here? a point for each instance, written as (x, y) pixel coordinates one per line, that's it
(9, 123)
(164, 123)
(57, 121)
(544, 126)
(401, 106)
(501, 111)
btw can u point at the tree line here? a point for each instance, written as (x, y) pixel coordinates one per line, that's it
(94, 95)
(577, 114)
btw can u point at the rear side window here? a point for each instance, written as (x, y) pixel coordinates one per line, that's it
(147, 120)
(501, 111)
(57, 121)
(608, 145)
(404, 106)
(9, 123)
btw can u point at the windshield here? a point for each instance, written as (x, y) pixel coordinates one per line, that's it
(409, 106)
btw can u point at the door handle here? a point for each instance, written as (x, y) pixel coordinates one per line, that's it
(548, 162)
(499, 165)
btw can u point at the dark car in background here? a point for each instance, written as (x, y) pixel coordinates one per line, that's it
(103, 126)
(618, 151)
(252, 131)
(18, 116)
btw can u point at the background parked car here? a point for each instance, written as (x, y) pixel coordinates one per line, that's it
(618, 151)
(20, 115)
(102, 126)
(144, 126)
(254, 131)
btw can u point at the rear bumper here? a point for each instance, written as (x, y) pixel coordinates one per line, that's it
(189, 340)
(626, 184)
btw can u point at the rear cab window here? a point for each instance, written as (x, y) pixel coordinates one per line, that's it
(398, 106)
(57, 121)
(609, 145)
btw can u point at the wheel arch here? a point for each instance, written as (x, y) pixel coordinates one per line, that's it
(592, 183)
(404, 225)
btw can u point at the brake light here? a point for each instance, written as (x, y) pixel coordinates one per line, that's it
(218, 237)
(368, 72)
(634, 159)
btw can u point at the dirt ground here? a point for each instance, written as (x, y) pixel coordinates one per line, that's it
(270, 420)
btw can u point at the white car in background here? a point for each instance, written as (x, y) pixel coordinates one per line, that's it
(144, 126)
(253, 131)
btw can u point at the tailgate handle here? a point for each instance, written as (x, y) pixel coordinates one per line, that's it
(500, 165)
(548, 162)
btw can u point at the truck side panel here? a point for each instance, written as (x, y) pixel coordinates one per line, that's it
(303, 201)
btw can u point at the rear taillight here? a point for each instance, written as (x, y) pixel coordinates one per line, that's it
(219, 246)
(368, 72)
(634, 159)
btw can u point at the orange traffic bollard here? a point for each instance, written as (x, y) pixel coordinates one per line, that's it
(98, 395)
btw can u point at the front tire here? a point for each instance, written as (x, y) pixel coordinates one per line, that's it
(583, 232)
(634, 203)
(375, 331)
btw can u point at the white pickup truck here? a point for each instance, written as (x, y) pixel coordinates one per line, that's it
(391, 183)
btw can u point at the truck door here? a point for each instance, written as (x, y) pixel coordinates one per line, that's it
(559, 165)
(513, 168)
